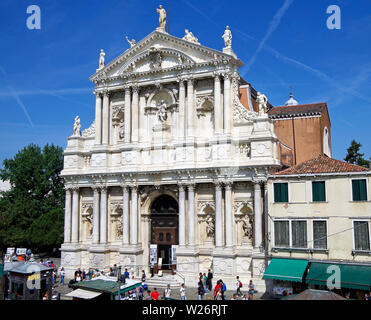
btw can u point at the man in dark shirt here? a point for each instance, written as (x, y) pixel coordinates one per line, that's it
(209, 280)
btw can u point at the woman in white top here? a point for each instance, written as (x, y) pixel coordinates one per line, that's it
(167, 292)
(182, 292)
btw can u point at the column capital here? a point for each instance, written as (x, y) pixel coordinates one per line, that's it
(135, 87)
(98, 94)
(106, 93)
(68, 187)
(216, 75)
(191, 186)
(124, 187)
(74, 188)
(218, 184)
(228, 185)
(95, 188)
(181, 186)
(127, 88)
(103, 189)
(134, 187)
(227, 75)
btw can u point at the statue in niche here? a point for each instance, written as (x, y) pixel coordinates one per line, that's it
(262, 102)
(101, 59)
(162, 113)
(122, 130)
(156, 59)
(131, 42)
(190, 37)
(77, 127)
(119, 228)
(247, 228)
(227, 36)
(162, 17)
(210, 226)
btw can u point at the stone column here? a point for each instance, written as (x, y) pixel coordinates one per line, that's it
(190, 108)
(227, 104)
(127, 114)
(134, 216)
(125, 215)
(228, 215)
(257, 216)
(218, 216)
(181, 109)
(142, 119)
(182, 217)
(218, 113)
(96, 215)
(103, 216)
(134, 115)
(98, 117)
(105, 124)
(67, 217)
(191, 215)
(75, 215)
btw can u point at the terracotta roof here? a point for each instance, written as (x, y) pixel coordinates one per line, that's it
(297, 111)
(322, 164)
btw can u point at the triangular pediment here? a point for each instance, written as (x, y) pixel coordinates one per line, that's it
(161, 50)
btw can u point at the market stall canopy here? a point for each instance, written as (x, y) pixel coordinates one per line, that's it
(83, 294)
(311, 294)
(351, 276)
(286, 270)
(25, 267)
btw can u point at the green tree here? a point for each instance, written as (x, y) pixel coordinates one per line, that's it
(36, 198)
(354, 156)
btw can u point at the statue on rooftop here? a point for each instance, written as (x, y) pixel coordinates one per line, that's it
(227, 36)
(190, 37)
(77, 127)
(262, 102)
(101, 59)
(131, 42)
(162, 18)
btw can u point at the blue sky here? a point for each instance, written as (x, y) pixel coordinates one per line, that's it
(283, 43)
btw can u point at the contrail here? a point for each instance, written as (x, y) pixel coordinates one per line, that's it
(67, 91)
(272, 27)
(18, 99)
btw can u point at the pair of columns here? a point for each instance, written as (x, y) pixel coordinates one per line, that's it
(223, 108)
(101, 117)
(191, 215)
(100, 215)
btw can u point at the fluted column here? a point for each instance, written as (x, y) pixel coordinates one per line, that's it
(228, 215)
(105, 124)
(67, 217)
(103, 216)
(218, 112)
(75, 215)
(127, 113)
(135, 114)
(182, 217)
(142, 119)
(125, 215)
(191, 215)
(227, 104)
(134, 216)
(98, 118)
(181, 109)
(96, 197)
(218, 216)
(190, 108)
(257, 216)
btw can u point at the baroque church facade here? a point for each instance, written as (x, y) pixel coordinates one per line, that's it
(174, 166)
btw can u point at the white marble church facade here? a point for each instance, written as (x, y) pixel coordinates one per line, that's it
(169, 124)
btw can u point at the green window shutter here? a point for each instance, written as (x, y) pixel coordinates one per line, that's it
(281, 193)
(359, 189)
(319, 191)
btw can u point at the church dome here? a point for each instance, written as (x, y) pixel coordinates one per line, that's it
(291, 101)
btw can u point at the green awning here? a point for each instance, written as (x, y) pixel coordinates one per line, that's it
(351, 276)
(2, 272)
(286, 269)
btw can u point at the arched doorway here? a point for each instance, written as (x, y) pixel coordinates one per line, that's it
(164, 229)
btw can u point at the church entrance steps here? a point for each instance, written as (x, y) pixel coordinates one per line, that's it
(162, 282)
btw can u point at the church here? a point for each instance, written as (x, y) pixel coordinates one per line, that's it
(172, 174)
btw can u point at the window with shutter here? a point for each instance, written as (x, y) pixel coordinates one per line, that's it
(318, 191)
(281, 193)
(361, 236)
(359, 188)
(320, 234)
(281, 234)
(299, 234)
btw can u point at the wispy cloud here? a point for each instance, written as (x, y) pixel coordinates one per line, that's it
(37, 92)
(273, 25)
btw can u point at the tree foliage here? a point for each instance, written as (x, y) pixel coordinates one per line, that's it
(31, 212)
(354, 156)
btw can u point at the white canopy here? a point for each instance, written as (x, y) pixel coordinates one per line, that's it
(83, 294)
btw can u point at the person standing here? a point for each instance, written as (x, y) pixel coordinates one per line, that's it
(251, 290)
(210, 280)
(155, 295)
(62, 276)
(182, 292)
(167, 292)
(206, 288)
(126, 274)
(238, 286)
(200, 290)
(224, 289)
(143, 276)
(216, 289)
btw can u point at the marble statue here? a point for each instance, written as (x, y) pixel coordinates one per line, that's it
(227, 36)
(101, 59)
(262, 102)
(210, 226)
(247, 229)
(131, 42)
(122, 130)
(77, 127)
(162, 114)
(190, 37)
(162, 18)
